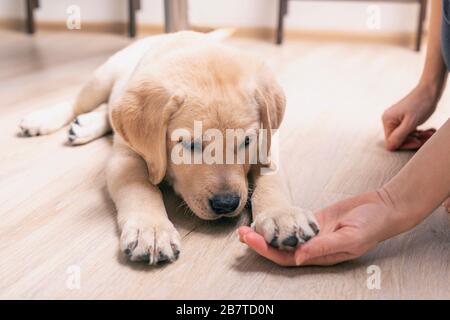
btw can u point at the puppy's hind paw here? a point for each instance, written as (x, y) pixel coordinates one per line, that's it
(88, 127)
(37, 123)
(46, 121)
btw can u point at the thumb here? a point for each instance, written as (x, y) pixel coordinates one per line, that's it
(396, 138)
(329, 260)
(323, 245)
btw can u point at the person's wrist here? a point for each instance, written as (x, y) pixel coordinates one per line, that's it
(395, 220)
(431, 88)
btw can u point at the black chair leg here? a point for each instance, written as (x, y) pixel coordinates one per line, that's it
(30, 6)
(133, 6)
(282, 11)
(422, 15)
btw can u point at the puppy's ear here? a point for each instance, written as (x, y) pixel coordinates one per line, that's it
(272, 103)
(140, 117)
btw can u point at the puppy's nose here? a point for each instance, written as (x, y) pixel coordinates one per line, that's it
(224, 203)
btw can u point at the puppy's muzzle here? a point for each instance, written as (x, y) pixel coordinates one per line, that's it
(224, 203)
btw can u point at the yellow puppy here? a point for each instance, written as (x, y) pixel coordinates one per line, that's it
(155, 94)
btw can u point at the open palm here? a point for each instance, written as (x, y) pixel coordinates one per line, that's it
(349, 228)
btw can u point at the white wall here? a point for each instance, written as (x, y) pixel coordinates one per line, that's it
(313, 15)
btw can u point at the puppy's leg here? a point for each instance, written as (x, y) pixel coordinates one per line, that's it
(146, 232)
(283, 226)
(95, 92)
(46, 121)
(89, 126)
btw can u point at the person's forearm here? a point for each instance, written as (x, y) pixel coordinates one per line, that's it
(423, 184)
(434, 72)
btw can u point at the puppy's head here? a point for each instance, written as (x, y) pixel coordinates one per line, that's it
(194, 129)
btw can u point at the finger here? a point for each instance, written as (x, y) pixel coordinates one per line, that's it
(242, 231)
(260, 246)
(389, 125)
(328, 260)
(324, 245)
(395, 139)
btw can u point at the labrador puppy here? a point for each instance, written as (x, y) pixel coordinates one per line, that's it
(146, 93)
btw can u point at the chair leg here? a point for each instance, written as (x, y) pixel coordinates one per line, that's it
(422, 15)
(29, 24)
(133, 6)
(282, 11)
(175, 15)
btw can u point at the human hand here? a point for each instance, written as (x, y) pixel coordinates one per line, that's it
(401, 120)
(348, 229)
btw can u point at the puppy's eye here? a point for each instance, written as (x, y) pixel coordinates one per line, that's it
(247, 141)
(192, 145)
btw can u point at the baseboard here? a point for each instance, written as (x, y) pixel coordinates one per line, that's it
(264, 33)
(12, 24)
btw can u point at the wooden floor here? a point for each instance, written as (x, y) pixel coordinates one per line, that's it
(56, 217)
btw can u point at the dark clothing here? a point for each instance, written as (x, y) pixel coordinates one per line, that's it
(445, 40)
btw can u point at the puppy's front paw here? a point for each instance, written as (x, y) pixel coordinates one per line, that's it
(287, 227)
(154, 243)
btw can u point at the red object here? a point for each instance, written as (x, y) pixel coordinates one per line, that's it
(417, 139)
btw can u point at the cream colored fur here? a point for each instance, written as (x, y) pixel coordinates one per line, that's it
(148, 90)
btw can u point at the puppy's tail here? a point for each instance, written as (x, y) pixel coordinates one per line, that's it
(221, 34)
